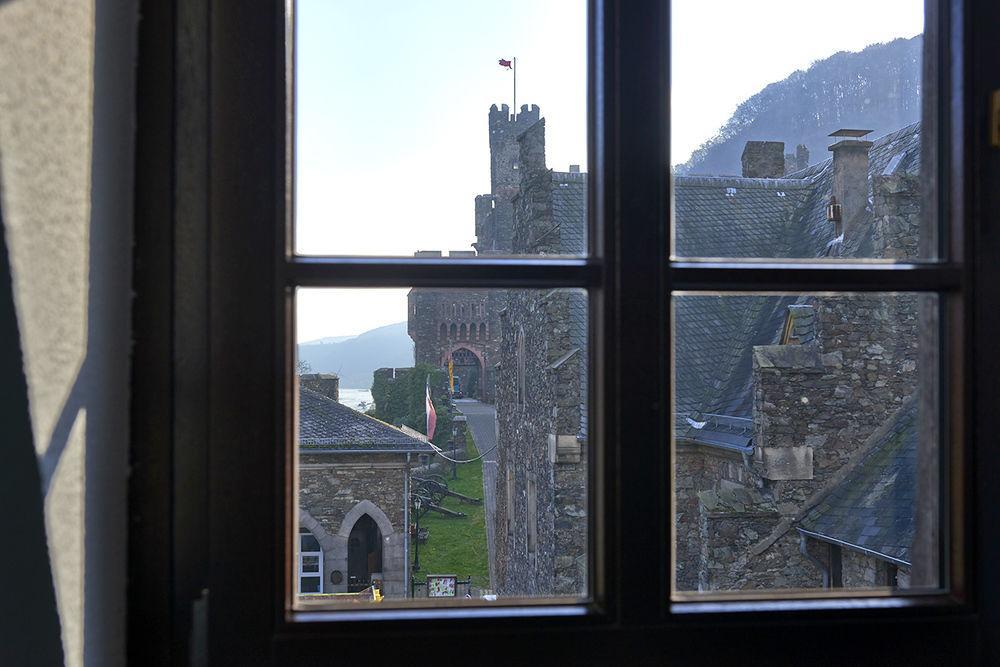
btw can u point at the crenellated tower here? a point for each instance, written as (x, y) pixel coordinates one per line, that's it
(494, 214)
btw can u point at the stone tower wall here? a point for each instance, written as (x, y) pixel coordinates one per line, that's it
(469, 320)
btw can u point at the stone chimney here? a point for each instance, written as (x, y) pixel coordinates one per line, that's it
(327, 384)
(764, 159)
(850, 176)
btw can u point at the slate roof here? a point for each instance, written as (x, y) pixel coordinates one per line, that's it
(735, 217)
(569, 211)
(759, 218)
(326, 425)
(873, 508)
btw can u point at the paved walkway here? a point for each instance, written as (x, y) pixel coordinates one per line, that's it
(482, 422)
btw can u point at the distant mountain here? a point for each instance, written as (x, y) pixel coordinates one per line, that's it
(877, 89)
(355, 358)
(327, 339)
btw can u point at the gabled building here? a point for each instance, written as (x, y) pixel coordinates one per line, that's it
(354, 490)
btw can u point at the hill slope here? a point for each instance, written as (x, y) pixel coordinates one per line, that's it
(354, 359)
(877, 89)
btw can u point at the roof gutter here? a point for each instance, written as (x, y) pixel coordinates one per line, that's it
(855, 547)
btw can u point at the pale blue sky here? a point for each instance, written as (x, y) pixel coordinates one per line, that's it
(392, 102)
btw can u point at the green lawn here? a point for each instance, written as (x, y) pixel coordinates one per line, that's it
(458, 545)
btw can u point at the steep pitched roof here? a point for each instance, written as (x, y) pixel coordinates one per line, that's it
(326, 425)
(873, 508)
(753, 218)
(569, 211)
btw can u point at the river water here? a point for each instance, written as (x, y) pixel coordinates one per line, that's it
(358, 399)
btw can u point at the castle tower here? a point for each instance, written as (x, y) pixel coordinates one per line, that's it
(493, 228)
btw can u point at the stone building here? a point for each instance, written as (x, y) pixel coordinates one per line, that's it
(540, 531)
(795, 416)
(460, 325)
(354, 488)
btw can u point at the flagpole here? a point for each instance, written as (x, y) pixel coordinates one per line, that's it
(515, 88)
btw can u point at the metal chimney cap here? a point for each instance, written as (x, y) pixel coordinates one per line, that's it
(846, 132)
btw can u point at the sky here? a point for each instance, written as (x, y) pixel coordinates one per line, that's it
(392, 100)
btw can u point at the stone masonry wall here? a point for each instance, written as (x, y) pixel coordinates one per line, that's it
(698, 468)
(538, 442)
(443, 321)
(332, 485)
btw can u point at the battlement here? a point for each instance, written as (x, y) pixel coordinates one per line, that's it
(526, 115)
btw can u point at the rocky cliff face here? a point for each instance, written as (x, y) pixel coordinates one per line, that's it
(876, 89)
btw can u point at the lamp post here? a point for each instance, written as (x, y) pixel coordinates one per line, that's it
(416, 539)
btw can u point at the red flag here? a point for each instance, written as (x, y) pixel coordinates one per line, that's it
(504, 63)
(431, 414)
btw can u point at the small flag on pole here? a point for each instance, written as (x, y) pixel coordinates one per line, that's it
(505, 63)
(431, 414)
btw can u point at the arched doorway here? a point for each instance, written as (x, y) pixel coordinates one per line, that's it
(364, 554)
(468, 373)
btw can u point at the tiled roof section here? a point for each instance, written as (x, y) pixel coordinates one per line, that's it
(713, 345)
(569, 211)
(733, 217)
(737, 217)
(873, 509)
(325, 424)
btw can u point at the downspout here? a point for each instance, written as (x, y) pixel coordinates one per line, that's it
(406, 527)
(815, 561)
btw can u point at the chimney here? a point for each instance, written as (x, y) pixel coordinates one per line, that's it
(764, 159)
(574, 169)
(327, 384)
(850, 176)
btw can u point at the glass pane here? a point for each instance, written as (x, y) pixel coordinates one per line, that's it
(796, 131)
(806, 442)
(309, 584)
(310, 564)
(497, 499)
(308, 543)
(418, 125)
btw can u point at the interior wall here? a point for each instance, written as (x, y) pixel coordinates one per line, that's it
(66, 146)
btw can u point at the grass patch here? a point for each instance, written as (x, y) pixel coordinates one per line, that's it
(458, 545)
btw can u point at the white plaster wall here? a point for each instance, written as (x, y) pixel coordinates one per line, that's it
(65, 191)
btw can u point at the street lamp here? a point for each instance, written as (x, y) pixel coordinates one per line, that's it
(416, 538)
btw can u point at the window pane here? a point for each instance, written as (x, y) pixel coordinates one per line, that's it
(796, 130)
(310, 564)
(309, 584)
(412, 135)
(308, 543)
(805, 436)
(498, 497)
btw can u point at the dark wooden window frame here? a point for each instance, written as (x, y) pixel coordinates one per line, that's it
(210, 528)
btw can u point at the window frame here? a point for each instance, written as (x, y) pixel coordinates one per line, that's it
(209, 242)
(301, 555)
